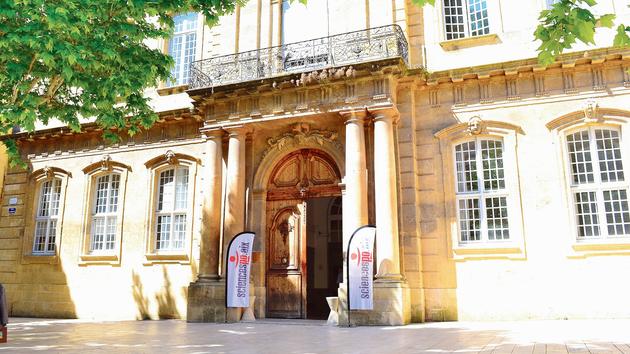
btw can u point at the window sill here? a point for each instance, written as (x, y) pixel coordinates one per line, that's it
(483, 251)
(610, 247)
(99, 259)
(467, 42)
(40, 259)
(161, 258)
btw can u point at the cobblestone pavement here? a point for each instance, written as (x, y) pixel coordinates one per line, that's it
(306, 337)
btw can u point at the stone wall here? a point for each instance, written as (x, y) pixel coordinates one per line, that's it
(69, 284)
(548, 275)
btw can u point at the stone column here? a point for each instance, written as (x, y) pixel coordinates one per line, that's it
(355, 201)
(354, 193)
(206, 296)
(385, 198)
(211, 208)
(392, 304)
(234, 217)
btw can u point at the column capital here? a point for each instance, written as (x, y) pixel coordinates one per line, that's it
(387, 115)
(354, 115)
(238, 130)
(212, 133)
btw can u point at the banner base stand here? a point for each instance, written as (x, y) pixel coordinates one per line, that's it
(206, 302)
(392, 306)
(233, 314)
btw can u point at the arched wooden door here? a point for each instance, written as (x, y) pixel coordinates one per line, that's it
(300, 175)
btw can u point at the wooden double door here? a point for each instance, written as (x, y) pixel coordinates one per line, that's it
(300, 176)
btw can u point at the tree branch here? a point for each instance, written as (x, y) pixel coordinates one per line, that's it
(15, 93)
(55, 83)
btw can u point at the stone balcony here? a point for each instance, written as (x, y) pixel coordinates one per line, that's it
(352, 48)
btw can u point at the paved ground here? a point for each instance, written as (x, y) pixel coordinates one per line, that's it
(306, 337)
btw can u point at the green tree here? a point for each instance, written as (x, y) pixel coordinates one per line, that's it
(74, 59)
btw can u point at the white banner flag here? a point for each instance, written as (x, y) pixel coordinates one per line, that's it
(239, 260)
(361, 268)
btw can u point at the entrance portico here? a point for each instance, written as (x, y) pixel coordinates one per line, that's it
(300, 163)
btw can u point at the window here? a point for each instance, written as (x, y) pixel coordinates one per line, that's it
(481, 194)
(172, 209)
(47, 216)
(598, 186)
(465, 18)
(336, 219)
(104, 213)
(182, 47)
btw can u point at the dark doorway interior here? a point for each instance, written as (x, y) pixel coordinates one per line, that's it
(323, 253)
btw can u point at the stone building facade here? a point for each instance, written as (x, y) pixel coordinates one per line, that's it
(497, 185)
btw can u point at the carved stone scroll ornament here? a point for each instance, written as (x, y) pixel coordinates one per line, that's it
(326, 75)
(591, 111)
(48, 172)
(169, 156)
(475, 125)
(106, 162)
(300, 135)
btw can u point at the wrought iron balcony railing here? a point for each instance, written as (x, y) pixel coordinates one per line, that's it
(339, 50)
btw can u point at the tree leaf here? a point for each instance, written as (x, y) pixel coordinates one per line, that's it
(621, 38)
(607, 20)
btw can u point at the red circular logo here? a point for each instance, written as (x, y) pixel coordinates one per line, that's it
(232, 258)
(353, 256)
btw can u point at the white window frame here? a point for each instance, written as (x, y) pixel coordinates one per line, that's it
(107, 215)
(181, 70)
(597, 186)
(55, 188)
(156, 166)
(104, 167)
(173, 212)
(590, 115)
(476, 128)
(41, 175)
(481, 194)
(466, 23)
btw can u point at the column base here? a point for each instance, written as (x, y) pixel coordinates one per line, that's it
(392, 306)
(206, 302)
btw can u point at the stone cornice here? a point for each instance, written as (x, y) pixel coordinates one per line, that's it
(175, 115)
(529, 65)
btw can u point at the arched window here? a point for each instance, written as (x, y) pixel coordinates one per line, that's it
(481, 189)
(172, 184)
(47, 216)
(45, 210)
(171, 212)
(482, 197)
(105, 213)
(598, 183)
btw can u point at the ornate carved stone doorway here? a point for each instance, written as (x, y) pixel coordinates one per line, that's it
(299, 177)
